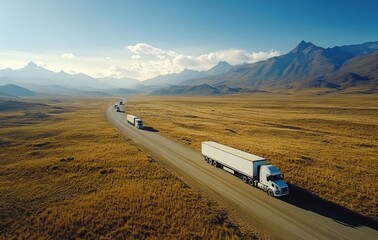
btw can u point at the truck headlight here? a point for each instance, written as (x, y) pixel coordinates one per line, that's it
(277, 191)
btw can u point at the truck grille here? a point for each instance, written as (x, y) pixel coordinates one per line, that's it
(284, 190)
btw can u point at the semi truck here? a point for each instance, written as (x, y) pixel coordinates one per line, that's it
(116, 107)
(135, 121)
(250, 168)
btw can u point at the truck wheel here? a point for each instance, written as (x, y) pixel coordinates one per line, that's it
(244, 179)
(270, 193)
(215, 164)
(255, 183)
(210, 161)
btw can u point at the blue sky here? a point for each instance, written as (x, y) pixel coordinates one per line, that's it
(102, 37)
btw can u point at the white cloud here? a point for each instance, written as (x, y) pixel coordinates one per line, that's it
(121, 71)
(232, 56)
(140, 49)
(68, 56)
(148, 61)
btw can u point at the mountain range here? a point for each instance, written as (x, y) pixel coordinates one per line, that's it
(34, 74)
(353, 67)
(350, 68)
(41, 80)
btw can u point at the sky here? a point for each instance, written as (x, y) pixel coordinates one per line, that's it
(145, 38)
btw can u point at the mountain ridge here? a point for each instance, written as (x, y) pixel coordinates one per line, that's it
(301, 65)
(38, 75)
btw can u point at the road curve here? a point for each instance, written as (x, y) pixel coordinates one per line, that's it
(280, 219)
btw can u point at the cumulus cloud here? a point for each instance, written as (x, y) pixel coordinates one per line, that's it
(140, 49)
(68, 55)
(149, 61)
(118, 71)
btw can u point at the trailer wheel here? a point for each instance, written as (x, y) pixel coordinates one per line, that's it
(270, 193)
(215, 164)
(210, 161)
(244, 179)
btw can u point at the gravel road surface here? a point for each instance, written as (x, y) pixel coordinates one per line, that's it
(289, 218)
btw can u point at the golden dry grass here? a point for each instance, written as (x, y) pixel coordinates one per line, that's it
(327, 145)
(70, 174)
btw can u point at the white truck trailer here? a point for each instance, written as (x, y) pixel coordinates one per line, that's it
(250, 168)
(135, 121)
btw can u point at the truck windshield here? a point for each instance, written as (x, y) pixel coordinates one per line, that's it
(276, 177)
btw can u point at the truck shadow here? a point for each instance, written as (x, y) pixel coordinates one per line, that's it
(149, 129)
(301, 198)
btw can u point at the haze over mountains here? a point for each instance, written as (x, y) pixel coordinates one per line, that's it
(307, 67)
(39, 79)
(177, 78)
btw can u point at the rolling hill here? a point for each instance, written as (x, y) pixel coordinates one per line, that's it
(17, 91)
(201, 90)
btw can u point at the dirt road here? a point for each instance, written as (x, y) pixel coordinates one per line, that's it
(283, 219)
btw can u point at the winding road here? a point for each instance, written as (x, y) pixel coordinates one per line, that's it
(282, 219)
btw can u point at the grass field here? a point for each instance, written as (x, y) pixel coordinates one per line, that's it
(66, 173)
(326, 145)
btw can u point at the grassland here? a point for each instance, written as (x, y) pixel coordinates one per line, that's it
(327, 145)
(66, 173)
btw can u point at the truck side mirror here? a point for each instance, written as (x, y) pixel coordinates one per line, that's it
(268, 178)
(282, 176)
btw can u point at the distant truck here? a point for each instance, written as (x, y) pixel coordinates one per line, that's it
(116, 107)
(135, 121)
(250, 168)
(120, 102)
